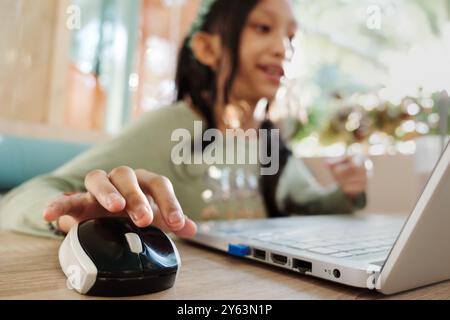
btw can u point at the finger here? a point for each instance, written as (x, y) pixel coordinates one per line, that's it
(354, 177)
(98, 184)
(74, 205)
(359, 183)
(355, 188)
(353, 181)
(188, 230)
(338, 161)
(161, 190)
(65, 223)
(345, 170)
(137, 205)
(351, 174)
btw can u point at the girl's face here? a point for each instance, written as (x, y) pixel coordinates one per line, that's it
(266, 43)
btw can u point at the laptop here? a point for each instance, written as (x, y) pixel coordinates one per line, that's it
(387, 253)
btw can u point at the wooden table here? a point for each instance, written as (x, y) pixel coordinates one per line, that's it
(29, 269)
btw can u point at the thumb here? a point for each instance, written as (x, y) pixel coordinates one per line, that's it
(73, 204)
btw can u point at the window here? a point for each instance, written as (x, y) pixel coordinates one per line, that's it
(371, 75)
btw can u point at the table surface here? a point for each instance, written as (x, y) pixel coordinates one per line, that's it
(29, 269)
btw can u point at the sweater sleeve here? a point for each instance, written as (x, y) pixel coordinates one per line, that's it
(298, 192)
(22, 208)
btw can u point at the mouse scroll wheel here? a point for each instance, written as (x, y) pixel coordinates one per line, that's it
(134, 242)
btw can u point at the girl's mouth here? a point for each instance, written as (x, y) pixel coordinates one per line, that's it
(273, 72)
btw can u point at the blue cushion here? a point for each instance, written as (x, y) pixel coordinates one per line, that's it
(24, 158)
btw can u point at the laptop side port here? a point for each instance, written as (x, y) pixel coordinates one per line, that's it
(301, 265)
(279, 259)
(259, 254)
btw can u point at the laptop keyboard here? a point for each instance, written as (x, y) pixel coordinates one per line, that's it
(337, 236)
(337, 245)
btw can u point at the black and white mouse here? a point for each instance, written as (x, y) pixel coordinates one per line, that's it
(112, 257)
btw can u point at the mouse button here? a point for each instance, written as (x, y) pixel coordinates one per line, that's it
(134, 242)
(156, 239)
(158, 250)
(104, 242)
(155, 262)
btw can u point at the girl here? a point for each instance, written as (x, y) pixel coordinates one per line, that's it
(232, 58)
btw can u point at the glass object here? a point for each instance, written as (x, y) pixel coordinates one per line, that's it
(231, 193)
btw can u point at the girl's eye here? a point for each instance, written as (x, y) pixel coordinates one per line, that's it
(263, 28)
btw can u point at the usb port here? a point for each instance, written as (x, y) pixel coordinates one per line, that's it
(279, 259)
(259, 254)
(301, 265)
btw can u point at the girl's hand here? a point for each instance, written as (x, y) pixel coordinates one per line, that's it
(351, 177)
(144, 196)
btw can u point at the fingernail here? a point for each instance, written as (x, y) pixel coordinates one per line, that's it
(136, 216)
(139, 213)
(53, 208)
(111, 199)
(175, 217)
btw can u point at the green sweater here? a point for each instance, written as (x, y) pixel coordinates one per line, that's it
(204, 192)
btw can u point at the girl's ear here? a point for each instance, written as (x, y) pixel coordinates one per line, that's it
(207, 49)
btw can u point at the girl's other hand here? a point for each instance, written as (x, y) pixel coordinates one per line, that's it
(145, 197)
(350, 176)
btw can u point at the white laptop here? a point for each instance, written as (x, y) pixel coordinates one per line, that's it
(389, 253)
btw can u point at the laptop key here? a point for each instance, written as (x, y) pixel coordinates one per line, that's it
(359, 252)
(322, 250)
(301, 246)
(375, 243)
(281, 242)
(322, 243)
(342, 255)
(371, 250)
(347, 247)
(342, 242)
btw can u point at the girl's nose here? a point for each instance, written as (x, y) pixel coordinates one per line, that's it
(283, 49)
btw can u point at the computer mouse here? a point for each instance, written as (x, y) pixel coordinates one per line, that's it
(111, 257)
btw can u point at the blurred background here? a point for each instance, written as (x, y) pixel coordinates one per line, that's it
(369, 78)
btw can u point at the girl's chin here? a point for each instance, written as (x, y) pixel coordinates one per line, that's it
(262, 91)
(269, 91)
